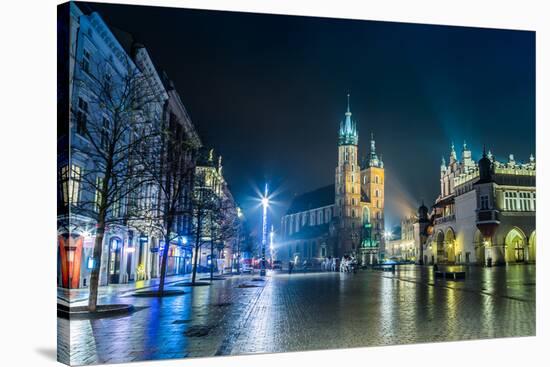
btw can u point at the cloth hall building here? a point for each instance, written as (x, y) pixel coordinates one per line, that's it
(485, 213)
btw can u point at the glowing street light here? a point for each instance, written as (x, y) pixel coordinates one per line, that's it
(387, 235)
(271, 247)
(265, 204)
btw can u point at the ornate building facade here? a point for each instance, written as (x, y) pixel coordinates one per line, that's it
(485, 213)
(345, 218)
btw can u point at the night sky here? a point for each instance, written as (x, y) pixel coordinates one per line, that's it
(268, 93)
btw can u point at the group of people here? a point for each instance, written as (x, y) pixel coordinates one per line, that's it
(348, 264)
(328, 264)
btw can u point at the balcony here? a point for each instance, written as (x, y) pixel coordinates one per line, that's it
(488, 216)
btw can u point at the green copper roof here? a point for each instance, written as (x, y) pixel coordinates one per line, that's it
(348, 130)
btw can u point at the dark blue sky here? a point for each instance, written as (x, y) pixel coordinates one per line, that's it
(268, 92)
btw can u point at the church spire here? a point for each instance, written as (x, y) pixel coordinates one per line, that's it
(348, 129)
(373, 160)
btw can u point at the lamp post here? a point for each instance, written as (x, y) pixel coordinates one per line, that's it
(265, 204)
(271, 248)
(239, 239)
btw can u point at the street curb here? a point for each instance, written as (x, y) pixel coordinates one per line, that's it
(81, 312)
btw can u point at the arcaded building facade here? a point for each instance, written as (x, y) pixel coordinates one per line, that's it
(485, 213)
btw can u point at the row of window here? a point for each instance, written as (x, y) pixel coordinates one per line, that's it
(375, 180)
(82, 120)
(316, 217)
(293, 223)
(519, 201)
(355, 202)
(71, 187)
(377, 192)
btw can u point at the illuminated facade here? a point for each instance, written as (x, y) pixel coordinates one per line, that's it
(130, 252)
(346, 218)
(222, 229)
(485, 213)
(404, 248)
(91, 44)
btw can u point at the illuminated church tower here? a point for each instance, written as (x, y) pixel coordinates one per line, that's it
(359, 196)
(348, 188)
(372, 185)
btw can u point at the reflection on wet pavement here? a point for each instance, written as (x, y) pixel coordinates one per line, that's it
(310, 311)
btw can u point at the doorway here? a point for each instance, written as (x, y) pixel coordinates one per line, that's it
(114, 260)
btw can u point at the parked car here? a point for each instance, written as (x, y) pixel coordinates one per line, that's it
(277, 264)
(246, 266)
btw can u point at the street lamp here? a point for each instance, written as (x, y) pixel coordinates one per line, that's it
(265, 204)
(271, 247)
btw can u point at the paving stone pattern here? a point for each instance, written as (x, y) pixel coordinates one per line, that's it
(307, 312)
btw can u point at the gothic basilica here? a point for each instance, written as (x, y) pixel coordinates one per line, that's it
(344, 218)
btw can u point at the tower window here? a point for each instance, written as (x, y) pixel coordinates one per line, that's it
(484, 202)
(376, 179)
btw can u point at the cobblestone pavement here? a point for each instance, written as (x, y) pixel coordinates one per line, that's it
(240, 315)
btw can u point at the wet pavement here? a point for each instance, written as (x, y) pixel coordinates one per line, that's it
(295, 312)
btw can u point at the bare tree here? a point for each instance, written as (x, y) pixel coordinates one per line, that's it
(204, 202)
(169, 166)
(224, 226)
(113, 124)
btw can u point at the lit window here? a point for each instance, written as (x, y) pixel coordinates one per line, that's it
(70, 182)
